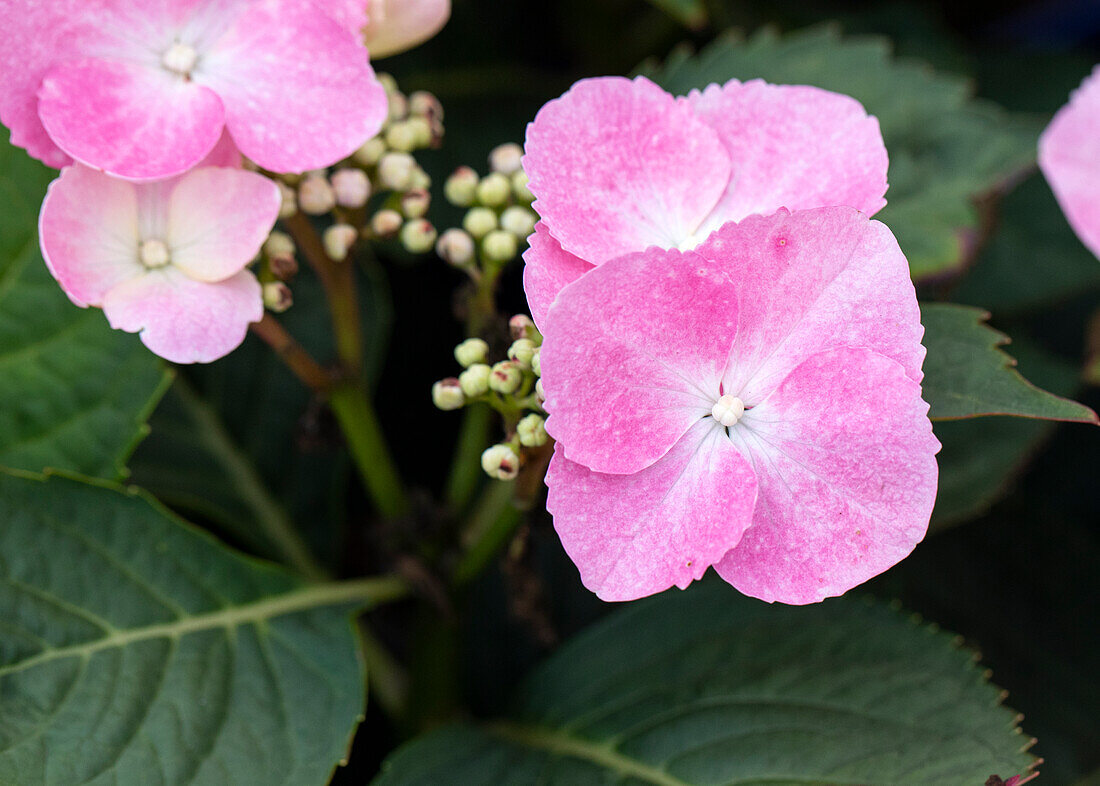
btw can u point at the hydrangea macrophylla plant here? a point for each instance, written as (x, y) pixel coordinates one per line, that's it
(619, 165)
(165, 259)
(143, 90)
(396, 25)
(1069, 155)
(753, 404)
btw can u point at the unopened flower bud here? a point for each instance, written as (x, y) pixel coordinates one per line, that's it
(389, 84)
(283, 268)
(540, 391)
(418, 236)
(471, 351)
(494, 190)
(536, 364)
(415, 203)
(289, 204)
(521, 351)
(421, 130)
(395, 171)
(338, 240)
(505, 159)
(447, 394)
(475, 380)
(520, 221)
(506, 377)
(456, 247)
(519, 188)
(461, 187)
(398, 106)
(500, 246)
(386, 223)
(521, 326)
(277, 296)
(371, 152)
(351, 186)
(500, 462)
(424, 104)
(479, 221)
(315, 196)
(279, 244)
(401, 137)
(532, 431)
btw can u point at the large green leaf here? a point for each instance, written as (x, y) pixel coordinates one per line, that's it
(136, 650)
(710, 687)
(967, 375)
(945, 147)
(74, 394)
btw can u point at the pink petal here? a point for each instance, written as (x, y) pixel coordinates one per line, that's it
(792, 146)
(225, 154)
(218, 219)
(547, 268)
(633, 355)
(620, 165)
(298, 91)
(1069, 155)
(131, 121)
(397, 25)
(845, 460)
(810, 281)
(90, 234)
(634, 535)
(183, 320)
(351, 14)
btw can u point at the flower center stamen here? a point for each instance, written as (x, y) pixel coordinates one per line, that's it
(728, 410)
(154, 254)
(180, 59)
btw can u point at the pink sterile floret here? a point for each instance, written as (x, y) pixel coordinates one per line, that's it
(752, 405)
(1069, 155)
(143, 89)
(620, 165)
(164, 259)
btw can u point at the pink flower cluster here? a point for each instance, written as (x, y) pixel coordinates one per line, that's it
(145, 104)
(731, 356)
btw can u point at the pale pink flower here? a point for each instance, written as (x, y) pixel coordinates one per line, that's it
(143, 89)
(618, 166)
(165, 259)
(752, 405)
(396, 25)
(1069, 155)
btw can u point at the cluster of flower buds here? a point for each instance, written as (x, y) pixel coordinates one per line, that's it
(512, 387)
(379, 193)
(499, 217)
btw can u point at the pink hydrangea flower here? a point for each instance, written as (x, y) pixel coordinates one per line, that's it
(752, 405)
(143, 89)
(1069, 155)
(618, 166)
(397, 25)
(165, 259)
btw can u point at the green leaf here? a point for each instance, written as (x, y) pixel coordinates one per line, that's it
(1033, 260)
(136, 650)
(74, 394)
(710, 687)
(967, 375)
(690, 13)
(945, 147)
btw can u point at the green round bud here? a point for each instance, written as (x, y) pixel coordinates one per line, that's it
(521, 326)
(520, 221)
(500, 462)
(506, 378)
(418, 236)
(521, 351)
(539, 391)
(532, 431)
(536, 364)
(338, 240)
(479, 222)
(371, 152)
(402, 136)
(456, 248)
(315, 196)
(422, 131)
(470, 351)
(506, 158)
(277, 296)
(500, 246)
(447, 394)
(475, 380)
(386, 223)
(494, 190)
(461, 187)
(395, 171)
(419, 180)
(389, 84)
(424, 104)
(398, 106)
(415, 203)
(279, 244)
(352, 187)
(519, 188)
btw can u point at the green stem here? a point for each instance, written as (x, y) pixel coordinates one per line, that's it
(466, 474)
(491, 524)
(387, 680)
(368, 448)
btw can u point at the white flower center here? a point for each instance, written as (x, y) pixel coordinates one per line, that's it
(180, 59)
(154, 254)
(728, 410)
